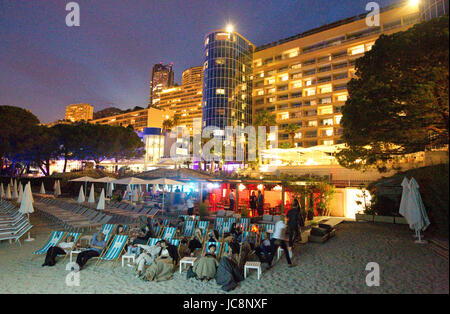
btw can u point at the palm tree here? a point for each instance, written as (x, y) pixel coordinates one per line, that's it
(291, 129)
(265, 118)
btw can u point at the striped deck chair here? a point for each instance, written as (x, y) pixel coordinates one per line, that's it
(232, 220)
(153, 241)
(244, 223)
(175, 242)
(226, 226)
(218, 247)
(166, 222)
(218, 224)
(53, 240)
(226, 248)
(203, 225)
(157, 230)
(168, 233)
(189, 228)
(115, 249)
(107, 231)
(76, 236)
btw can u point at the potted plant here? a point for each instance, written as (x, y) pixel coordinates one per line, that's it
(310, 213)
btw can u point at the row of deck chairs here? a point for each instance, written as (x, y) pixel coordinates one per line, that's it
(13, 225)
(127, 213)
(70, 216)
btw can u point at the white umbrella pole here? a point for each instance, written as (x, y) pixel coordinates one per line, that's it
(29, 239)
(419, 241)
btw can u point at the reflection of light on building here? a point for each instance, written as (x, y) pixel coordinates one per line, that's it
(154, 145)
(277, 188)
(310, 162)
(354, 200)
(241, 187)
(260, 187)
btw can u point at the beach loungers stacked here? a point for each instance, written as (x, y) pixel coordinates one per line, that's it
(71, 216)
(13, 225)
(123, 212)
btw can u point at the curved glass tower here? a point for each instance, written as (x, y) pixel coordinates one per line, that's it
(227, 87)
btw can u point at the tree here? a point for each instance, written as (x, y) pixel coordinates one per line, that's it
(18, 127)
(69, 141)
(398, 102)
(265, 118)
(292, 129)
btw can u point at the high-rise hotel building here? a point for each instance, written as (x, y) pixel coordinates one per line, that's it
(303, 79)
(227, 87)
(162, 78)
(79, 112)
(185, 100)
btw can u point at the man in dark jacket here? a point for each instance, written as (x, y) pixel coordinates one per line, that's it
(260, 204)
(294, 220)
(228, 274)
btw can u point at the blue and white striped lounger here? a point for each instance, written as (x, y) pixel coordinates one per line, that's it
(107, 231)
(217, 244)
(54, 239)
(189, 228)
(115, 249)
(169, 233)
(244, 223)
(153, 241)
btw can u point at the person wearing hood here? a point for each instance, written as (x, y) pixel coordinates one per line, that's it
(206, 266)
(196, 241)
(163, 266)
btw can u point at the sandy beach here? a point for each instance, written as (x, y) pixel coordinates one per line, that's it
(338, 266)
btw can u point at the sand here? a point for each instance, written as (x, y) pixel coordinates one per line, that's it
(337, 266)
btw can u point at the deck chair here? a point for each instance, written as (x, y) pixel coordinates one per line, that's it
(158, 230)
(76, 236)
(232, 220)
(218, 248)
(107, 231)
(153, 241)
(203, 225)
(244, 223)
(189, 228)
(226, 227)
(168, 233)
(114, 250)
(218, 224)
(175, 242)
(166, 222)
(53, 240)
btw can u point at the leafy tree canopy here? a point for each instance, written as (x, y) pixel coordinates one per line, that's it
(398, 102)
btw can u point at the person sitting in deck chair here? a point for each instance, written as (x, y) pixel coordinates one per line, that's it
(266, 250)
(213, 236)
(163, 266)
(147, 230)
(206, 266)
(98, 244)
(149, 254)
(62, 249)
(183, 248)
(196, 242)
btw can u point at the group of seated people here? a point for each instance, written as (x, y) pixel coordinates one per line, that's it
(157, 262)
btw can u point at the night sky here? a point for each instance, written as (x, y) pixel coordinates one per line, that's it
(45, 65)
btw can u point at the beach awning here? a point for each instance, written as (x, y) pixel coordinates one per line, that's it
(166, 181)
(83, 179)
(130, 180)
(105, 180)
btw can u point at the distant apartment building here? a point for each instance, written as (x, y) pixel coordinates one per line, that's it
(303, 79)
(139, 119)
(184, 100)
(79, 112)
(162, 78)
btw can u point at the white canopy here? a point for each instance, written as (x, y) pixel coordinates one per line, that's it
(19, 199)
(105, 180)
(81, 198)
(8, 192)
(42, 191)
(101, 201)
(91, 195)
(83, 179)
(26, 206)
(166, 182)
(130, 180)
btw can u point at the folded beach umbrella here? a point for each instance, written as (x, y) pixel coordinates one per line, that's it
(91, 195)
(2, 191)
(14, 194)
(42, 191)
(26, 206)
(110, 188)
(81, 198)
(19, 199)
(8, 192)
(57, 188)
(19, 187)
(101, 201)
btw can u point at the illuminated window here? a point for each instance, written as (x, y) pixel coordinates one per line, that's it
(284, 116)
(327, 121)
(326, 110)
(271, 99)
(220, 61)
(284, 78)
(205, 65)
(329, 142)
(341, 98)
(222, 36)
(296, 66)
(357, 50)
(325, 89)
(206, 41)
(220, 91)
(338, 119)
(260, 74)
(258, 63)
(271, 81)
(308, 82)
(369, 46)
(312, 123)
(298, 135)
(297, 84)
(260, 92)
(309, 91)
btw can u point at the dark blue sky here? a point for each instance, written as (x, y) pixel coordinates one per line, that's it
(45, 65)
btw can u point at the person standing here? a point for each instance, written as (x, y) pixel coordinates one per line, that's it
(279, 240)
(253, 203)
(190, 205)
(232, 200)
(260, 204)
(293, 222)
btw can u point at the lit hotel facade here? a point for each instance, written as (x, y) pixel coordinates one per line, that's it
(303, 79)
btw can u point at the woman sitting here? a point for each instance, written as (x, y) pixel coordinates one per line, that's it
(146, 229)
(62, 249)
(183, 248)
(162, 267)
(206, 266)
(98, 244)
